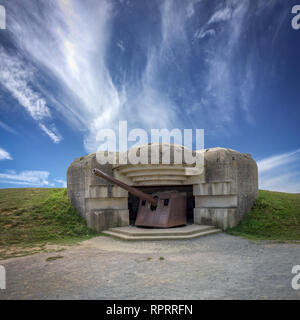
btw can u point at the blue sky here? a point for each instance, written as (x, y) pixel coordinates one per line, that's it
(70, 68)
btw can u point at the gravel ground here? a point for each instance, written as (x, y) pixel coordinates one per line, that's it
(213, 267)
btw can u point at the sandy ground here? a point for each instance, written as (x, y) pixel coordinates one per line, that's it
(213, 267)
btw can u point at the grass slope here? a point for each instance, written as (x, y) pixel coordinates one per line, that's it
(36, 217)
(274, 216)
(31, 219)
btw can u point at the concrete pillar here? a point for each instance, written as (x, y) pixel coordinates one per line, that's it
(107, 207)
(215, 205)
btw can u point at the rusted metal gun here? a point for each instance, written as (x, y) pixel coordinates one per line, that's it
(162, 209)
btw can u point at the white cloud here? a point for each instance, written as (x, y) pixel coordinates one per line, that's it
(283, 183)
(4, 155)
(200, 34)
(62, 182)
(121, 45)
(280, 172)
(69, 41)
(221, 91)
(71, 44)
(221, 15)
(273, 162)
(7, 128)
(28, 178)
(172, 24)
(54, 136)
(15, 77)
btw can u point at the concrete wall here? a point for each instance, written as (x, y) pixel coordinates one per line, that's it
(230, 188)
(224, 192)
(103, 205)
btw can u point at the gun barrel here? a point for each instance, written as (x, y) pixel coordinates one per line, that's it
(132, 190)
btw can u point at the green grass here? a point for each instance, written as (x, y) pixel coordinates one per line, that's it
(274, 216)
(36, 217)
(32, 219)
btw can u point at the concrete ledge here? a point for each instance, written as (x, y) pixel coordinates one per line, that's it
(216, 201)
(156, 178)
(211, 189)
(184, 230)
(132, 233)
(107, 203)
(107, 191)
(154, 174)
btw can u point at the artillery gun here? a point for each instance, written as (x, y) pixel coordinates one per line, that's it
(161, 209)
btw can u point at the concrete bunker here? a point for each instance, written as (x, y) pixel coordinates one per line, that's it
(220, 196)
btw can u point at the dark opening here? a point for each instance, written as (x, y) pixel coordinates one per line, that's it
(133, 202)
(153, 207)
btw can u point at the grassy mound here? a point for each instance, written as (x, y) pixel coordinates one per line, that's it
(31, 220)
(31, 217)
(274, 216)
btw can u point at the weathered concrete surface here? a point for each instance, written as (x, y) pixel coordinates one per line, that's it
(131, 233)
(214, 267)
(237, 176)
(224, 191)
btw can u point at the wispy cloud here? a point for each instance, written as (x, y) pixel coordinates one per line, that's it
(54, 136)
(144, 77)
(224, 27)
(28, 178)
(17, 78)
(67, 40)
(63, 183)
(221, 15)
(280, 172)
(200, 34)
(273, 162)
(7, 128)
(31, 178)
(4, 155)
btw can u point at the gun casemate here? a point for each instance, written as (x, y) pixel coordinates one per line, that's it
(161, 209)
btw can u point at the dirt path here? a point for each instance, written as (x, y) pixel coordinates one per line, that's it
(214, 267)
